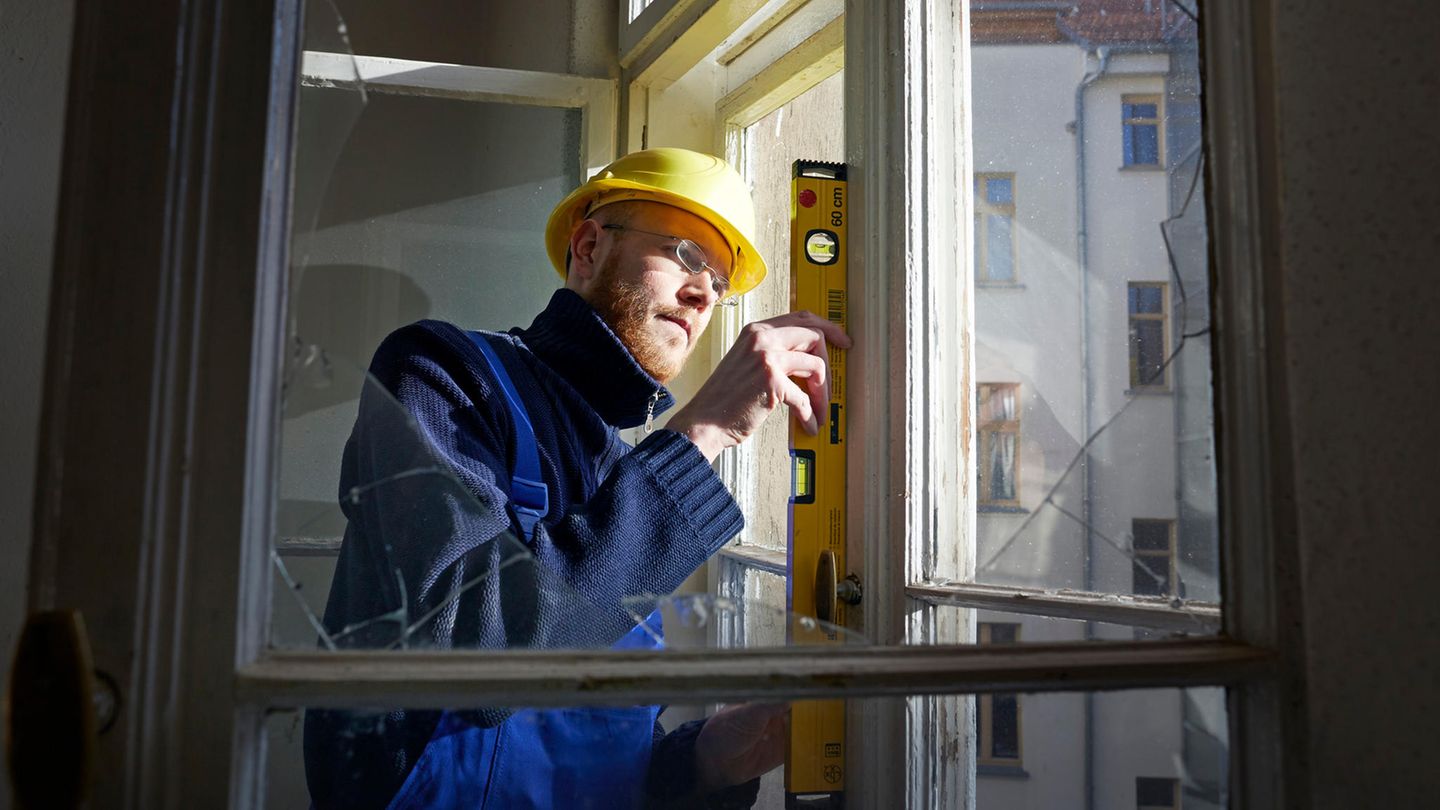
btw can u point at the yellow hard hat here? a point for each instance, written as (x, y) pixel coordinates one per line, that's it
(705, 186)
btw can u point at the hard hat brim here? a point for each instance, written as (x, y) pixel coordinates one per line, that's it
(748, 268)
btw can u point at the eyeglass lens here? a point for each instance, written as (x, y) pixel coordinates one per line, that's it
(694, 259)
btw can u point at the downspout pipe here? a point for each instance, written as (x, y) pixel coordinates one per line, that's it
(1082, 259)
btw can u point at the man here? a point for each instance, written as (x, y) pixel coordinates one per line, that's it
(648, 248)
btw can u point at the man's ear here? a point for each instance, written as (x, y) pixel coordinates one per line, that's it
(584, 261)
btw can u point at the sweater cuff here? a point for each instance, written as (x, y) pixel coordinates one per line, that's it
(681, 471)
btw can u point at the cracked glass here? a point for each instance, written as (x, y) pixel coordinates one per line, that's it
(1093, 434)
(415, 203)
(1094, 425)
(1027, 750)
(1094, 439)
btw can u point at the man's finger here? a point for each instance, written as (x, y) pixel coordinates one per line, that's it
(815, 372)
(803, 364)
(819, 393)
(795, 338)
(808, 319)
(800, 405)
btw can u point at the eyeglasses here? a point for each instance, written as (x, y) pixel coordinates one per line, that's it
(691, 257)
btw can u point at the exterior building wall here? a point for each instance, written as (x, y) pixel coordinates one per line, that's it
(1133, 461)
(1032, 332)
(1022, 103)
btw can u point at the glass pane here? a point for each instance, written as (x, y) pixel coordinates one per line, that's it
(804, 128)
(1140, 111)
(1041, 751)
(1000, 467)
(1147, 299)
(1151, 575)
(999, 190)
(999, 248)
(1093, 452)
(761, 626)
(1147, 342)
(1142, 145)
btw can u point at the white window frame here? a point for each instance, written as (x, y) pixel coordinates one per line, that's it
(907, 292)
(790, 74)
(594, 98)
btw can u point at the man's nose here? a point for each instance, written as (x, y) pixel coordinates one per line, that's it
(699, 290)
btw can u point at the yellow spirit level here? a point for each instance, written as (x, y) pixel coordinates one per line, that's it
(815, 754)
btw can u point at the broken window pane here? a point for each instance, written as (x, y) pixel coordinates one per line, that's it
(1121, 749)
(429, 560)
(1104, 334)
(394, 529)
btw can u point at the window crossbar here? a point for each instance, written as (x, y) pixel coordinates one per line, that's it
(456, 679)
(762, 559)
(1157, 612)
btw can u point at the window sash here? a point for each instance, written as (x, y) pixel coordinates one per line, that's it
(1133, 125)
(1148, 323)
(994, 430)
(278, 679)
(985, 709)
(1158, 561)
(984, 211)
(602, 677)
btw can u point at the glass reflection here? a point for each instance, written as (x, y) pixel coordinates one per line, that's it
(1091, 301)
(1136, 748)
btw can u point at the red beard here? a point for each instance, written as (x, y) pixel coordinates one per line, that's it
(625, 306)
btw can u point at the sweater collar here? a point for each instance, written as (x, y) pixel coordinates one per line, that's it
(572, 339)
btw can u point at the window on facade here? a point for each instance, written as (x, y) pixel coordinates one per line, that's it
(1154, 557)
(1149, 335)
(997, 715)
(999, 463)
(1141, 130)
(995, 228)
(1152, 793)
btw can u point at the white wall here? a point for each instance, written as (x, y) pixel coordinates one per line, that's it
(1028, 333)
(1360, 199)
(34, 65)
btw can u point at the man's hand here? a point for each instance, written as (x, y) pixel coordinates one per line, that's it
(755, 378)
(739, 743)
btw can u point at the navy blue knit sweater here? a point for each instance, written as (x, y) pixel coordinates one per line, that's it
(424, 483)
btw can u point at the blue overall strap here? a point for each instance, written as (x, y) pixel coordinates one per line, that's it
(529, 497)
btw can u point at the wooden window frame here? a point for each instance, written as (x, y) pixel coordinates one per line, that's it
(1127, 121)
(984, 208)
(225, 152)
(1163, 316)
(1169, 555)
(985, 435)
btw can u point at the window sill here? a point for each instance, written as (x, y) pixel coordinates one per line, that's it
(1149, 392)
(1007, 771)
(1001, 509)
(999, 285)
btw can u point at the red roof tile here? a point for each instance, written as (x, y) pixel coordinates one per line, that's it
(1086, 22)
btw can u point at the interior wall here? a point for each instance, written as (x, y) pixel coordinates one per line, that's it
(34, 66)
(1358, 234)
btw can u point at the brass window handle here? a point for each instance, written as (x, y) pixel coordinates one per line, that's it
(56, 707)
